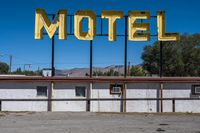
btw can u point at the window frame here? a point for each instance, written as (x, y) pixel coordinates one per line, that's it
(44, 92)
(193, 90)
(116, 85)
(80, 87)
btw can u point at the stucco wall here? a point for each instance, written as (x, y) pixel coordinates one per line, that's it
(28, 90)
(67, 90)
(175, 90)
(102, 90)
(23, 91)
(142, 90)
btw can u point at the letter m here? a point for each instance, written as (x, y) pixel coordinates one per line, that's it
(42, 21)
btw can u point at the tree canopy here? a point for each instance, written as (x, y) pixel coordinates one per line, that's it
(27, 73)
(137, 71)
(4, 68)
(111, 72)
(180, 58)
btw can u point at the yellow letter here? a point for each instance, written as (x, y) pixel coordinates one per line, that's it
(91, 16)
(134, 26)
(112, 16)
(162, 36)
(41, 20)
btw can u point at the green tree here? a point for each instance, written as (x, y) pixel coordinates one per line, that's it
(111, 72)
(137, 71)
(4, 68)
(87, 74)
(180, 58)
(18, 71)
(116, 73)
(28, 73)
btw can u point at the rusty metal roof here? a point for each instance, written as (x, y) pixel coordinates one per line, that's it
(101, 79)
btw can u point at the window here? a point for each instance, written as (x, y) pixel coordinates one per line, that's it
(195, 90)
(80, 91)
(116, 88)
(41, 91)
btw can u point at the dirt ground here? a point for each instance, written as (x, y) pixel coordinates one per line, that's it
(66, 122)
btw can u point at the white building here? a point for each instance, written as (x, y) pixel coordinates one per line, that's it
(72, 92)
(46, 72)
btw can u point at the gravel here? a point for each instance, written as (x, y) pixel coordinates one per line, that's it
(84, 122)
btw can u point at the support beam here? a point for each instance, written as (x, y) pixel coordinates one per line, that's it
(10, 64)
(161, 75)
(50, 95)
(173, 105)
(125, 47)
(52, 59)
(88, 102)
(161, 97)
(0, 106)
(124, 96)
(158, 101)
(161, 59)
(91, 55)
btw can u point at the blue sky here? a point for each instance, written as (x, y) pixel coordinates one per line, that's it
(17, 31)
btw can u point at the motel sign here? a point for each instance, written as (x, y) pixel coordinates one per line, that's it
(137, 31)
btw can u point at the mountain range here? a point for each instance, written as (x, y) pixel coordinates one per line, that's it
(74, 72)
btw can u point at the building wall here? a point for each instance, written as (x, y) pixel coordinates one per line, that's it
(67, 90)
(13, 90)
(27, 90)
(102, 90)
(175, 90)
(139, 90)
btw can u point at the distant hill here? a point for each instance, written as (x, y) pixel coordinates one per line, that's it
(78, 72)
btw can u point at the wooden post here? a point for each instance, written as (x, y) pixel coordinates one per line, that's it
(124, 96)
(50, 91)
(88, 103)
(161, 96)
(173, 105)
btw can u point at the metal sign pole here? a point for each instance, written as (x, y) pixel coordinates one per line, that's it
(52, 55)
(161, 59)
(125, 35)
(125, 48)
(91, 55)
(161, 74)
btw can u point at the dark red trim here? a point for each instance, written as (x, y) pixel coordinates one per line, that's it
(101, 79)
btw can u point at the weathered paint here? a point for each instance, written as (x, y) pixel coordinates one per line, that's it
(27, 90)
(103, 91)
(174, 90)
(67, 90)
(22, 90)
(138, 90)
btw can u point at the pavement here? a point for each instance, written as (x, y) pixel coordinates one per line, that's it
(85, 122)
